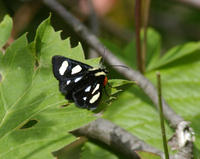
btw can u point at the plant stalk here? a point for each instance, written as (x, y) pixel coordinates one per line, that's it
(140, 63)
(162, 116)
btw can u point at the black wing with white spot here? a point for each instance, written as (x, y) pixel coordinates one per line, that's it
(79, 82)
(66, 68)
(69, 73)
(89, 95)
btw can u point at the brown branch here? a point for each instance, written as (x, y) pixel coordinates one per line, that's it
(140, 62)
(94, 43)
(115, 137)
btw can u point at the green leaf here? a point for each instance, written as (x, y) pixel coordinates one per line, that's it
(153, 47)
(180, 75)
(47, 39)
(147, 155)
(94, 151)
(128, 54)
(119, 82)
(33, 121)
(134, 111)
(176, 53)
(181, 87)
(16, 69)
(5, 30)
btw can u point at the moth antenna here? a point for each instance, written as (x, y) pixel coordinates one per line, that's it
(102, 62)
(102, 59)
(120, 66)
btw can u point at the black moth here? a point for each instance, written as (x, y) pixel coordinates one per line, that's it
(79, 82)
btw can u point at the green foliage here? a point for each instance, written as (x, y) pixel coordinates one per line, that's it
(135, 113)
(180, 74)
(128, 54)
(181, 84)
(147, 155)
(91, 151)
(175, 54)
(33, 123)
(35, 119)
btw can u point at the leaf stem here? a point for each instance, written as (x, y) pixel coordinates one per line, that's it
(162, 116)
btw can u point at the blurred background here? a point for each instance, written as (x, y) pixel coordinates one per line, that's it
(177, 21)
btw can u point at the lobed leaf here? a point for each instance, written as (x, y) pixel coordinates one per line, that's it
(33, 121)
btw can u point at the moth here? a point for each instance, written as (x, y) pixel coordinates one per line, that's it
(79, 82)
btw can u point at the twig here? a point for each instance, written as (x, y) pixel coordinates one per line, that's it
(161, 116)
(116, 137)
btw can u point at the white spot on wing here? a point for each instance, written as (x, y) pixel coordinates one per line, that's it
(96, 88)
(77, 79)
(88, 89)
(95, 98)
(76, 69)
(63, 67)
(93, 69)
(100, 73)
(84, 98)
(68, 82)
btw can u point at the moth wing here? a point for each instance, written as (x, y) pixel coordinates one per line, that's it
(69, 85)
(64, 68)
(89, 95)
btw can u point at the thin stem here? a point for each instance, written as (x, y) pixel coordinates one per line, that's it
(137, 28)
(162, 116)
(145, 17)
